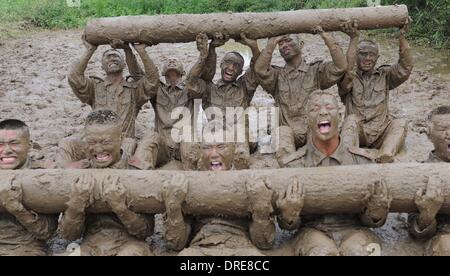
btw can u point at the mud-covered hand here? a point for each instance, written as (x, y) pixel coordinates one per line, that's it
(273, 41)
(350, 28)
(260, 198)
(219, 39)
(291, 202)
(120, 44)
(81, 195)
(114, 193)
(378, 201)
(202, 44)
(11, 195)
(429, 201)
(174, 193)
(405, 28)
(252, 43)
(177, 231)
(89, 46)
(140, 47)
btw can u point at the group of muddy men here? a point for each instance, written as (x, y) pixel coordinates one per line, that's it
(311, 134)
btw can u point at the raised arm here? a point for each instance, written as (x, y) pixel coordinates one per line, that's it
(140, 226)
(149, 83)
(400, 72)
(337, 55)
(351, 29)
(195, 75)
(263, 68)
(82, 86)
(209, 70)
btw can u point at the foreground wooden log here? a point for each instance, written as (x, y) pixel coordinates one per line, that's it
(328, 190)
(185, 27)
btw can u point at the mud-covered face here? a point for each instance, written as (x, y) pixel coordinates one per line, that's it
(112, 62)
(289, 48)
(439, 134)
(173, 77)
(14, 148)
(103, 143)
(323, 117)
(231, 67)
(367, 56)
(217, 157)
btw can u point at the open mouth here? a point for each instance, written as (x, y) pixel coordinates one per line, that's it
(448, 148)
(104, 157)
(228, 74)
(113, 63)
(216, 166)
(8, 160)
(324, 127)
(367, 63)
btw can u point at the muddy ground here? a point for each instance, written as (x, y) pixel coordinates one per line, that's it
(34, 88)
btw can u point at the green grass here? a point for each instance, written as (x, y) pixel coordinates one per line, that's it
(432, 18)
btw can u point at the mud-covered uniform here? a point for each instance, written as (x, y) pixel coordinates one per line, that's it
(215, 236)
(368, 99)
(291, 88)
(439, 231)
(167, 99)
(234, 94)
(335, 226)
(126, 100)
(30, 240)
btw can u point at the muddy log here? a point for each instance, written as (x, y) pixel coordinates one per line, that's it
(185, 27)
(328, 190)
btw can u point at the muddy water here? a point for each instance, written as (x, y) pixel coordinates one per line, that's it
(34, 88)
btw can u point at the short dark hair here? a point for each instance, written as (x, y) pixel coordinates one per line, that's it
(441, 110)
(14, 124)
(102, 117)
(238, 55)
(368, 41)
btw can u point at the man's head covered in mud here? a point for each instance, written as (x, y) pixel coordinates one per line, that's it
(323, 116)
(14, 144)
(290, 47)
(216, 152)
(173, 71)
(368, 54)
(102, 134)
(231, 66)
(113, 61)
(439, 131)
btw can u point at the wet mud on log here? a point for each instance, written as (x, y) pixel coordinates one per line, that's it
(185, 27)
(328, 190)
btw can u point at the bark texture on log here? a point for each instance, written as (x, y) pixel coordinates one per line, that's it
(328, 189)
(185, 27)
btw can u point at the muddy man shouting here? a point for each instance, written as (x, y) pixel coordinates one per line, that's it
(332, 234)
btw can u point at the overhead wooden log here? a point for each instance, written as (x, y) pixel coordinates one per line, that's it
(185, 27)
(328, 189)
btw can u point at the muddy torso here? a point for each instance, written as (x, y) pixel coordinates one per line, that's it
(210, 231)
(223, 95)
(167, 99)
(309, 156)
